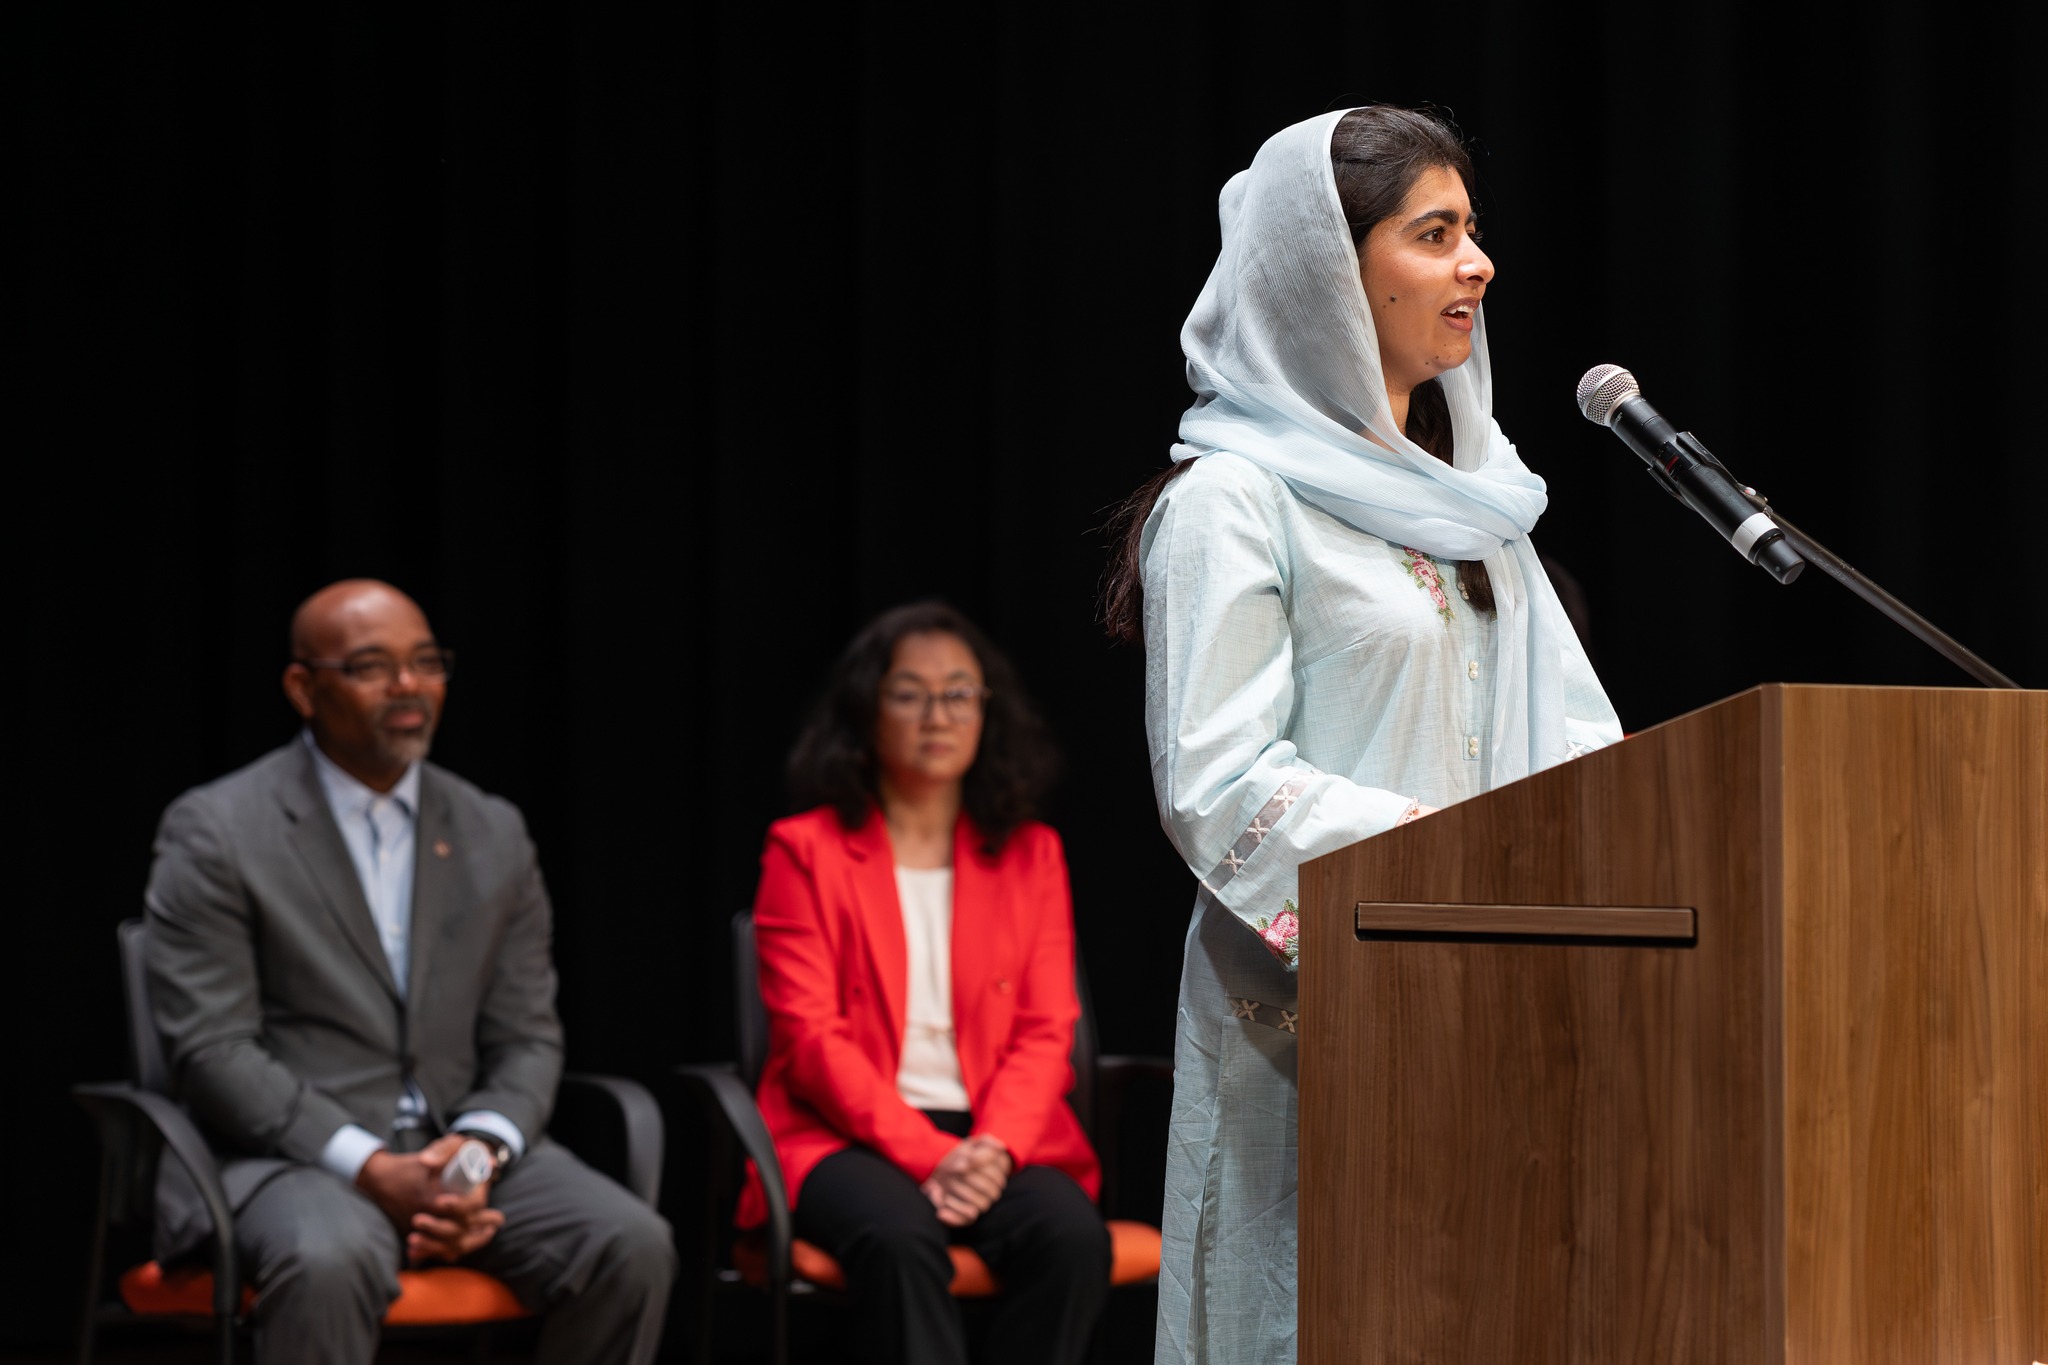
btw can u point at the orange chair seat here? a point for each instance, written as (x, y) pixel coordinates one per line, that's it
(438, 1297)
(1133, 1259)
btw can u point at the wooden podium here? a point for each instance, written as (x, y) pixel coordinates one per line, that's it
(1726, 1044)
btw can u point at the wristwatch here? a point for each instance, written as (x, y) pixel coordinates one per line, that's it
(500, 1150)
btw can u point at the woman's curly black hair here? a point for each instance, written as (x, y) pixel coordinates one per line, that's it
(833, 762)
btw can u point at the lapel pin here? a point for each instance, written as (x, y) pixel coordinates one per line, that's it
(441, 849)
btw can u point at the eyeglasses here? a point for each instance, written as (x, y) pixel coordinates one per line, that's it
(377, 667)
(958, 703)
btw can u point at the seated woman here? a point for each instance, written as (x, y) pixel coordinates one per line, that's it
(917, 961)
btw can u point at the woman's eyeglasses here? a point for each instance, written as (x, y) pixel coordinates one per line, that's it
(959, 703)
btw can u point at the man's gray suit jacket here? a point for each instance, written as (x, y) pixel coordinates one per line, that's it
(277, 1005)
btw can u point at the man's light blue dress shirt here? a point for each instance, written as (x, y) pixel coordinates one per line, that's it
(380, 830)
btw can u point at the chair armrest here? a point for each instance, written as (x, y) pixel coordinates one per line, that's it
(641, 1118)
(1119, 1067)
(736, 1105)
(120, 1110)
(1132, 1092)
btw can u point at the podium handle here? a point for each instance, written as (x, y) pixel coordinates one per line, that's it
(1535, 923)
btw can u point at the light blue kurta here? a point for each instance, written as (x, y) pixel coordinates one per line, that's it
(1306, 684)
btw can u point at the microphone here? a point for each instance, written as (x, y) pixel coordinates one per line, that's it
(1609, 395)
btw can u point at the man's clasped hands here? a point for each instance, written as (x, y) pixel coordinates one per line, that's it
(437, 1225)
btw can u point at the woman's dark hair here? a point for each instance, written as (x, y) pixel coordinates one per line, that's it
(1376, 156)
(833, 762)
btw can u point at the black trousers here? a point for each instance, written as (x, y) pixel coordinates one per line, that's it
(1043, 1239)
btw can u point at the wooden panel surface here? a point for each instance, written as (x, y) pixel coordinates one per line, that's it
(1549, 1152)
(1917, 1025)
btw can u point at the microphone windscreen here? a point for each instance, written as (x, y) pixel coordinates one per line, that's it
(1603, 389)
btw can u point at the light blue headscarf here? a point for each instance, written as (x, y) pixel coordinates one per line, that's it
(1285, 366)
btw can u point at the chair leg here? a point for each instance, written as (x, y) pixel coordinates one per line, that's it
(89, 1325)
(778, 1322)
(96, 1266)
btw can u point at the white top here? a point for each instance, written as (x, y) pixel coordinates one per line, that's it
(928, 1075)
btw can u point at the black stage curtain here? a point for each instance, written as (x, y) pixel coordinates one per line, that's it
(655, 349)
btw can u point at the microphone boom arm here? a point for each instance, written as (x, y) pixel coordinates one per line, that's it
(1609, 396)
(1836, 568)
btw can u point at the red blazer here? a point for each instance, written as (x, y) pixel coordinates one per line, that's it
(829, 930)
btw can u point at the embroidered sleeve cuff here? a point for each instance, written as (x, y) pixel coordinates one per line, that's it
(497, 1125)
(1255, 833)
(348, 1149)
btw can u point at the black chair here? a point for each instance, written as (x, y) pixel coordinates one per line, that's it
(138, 1120)
(773, 1259)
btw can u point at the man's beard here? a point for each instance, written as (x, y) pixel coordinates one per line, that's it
(405, 748)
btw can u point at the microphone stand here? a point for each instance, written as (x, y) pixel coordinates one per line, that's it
(1833, 565)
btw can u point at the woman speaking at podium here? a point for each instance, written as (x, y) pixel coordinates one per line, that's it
(1345, 625)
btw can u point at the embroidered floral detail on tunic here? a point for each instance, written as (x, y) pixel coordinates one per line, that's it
(1256, 832)
(1423, 570)
(1282, 934)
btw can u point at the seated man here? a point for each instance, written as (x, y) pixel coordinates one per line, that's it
(349, 962)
